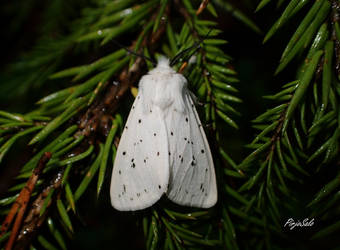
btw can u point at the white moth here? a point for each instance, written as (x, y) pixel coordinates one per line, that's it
(163, 148)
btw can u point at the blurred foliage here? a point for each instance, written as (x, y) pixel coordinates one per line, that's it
(79, 61)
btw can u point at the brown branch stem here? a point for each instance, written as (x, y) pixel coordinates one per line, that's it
(34, 219)
(203, 5)
(21, 202)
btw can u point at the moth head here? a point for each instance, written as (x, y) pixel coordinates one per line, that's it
(163, 62)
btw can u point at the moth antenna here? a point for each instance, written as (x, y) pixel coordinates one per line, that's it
(195, 99)
(136, 54)
(197, 46)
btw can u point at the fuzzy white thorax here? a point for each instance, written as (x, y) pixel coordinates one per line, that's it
(163, 87)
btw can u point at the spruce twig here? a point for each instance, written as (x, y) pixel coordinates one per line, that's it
(20, 205)
(34, 219)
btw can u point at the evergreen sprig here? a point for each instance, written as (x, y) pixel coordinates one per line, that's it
(299, 137)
